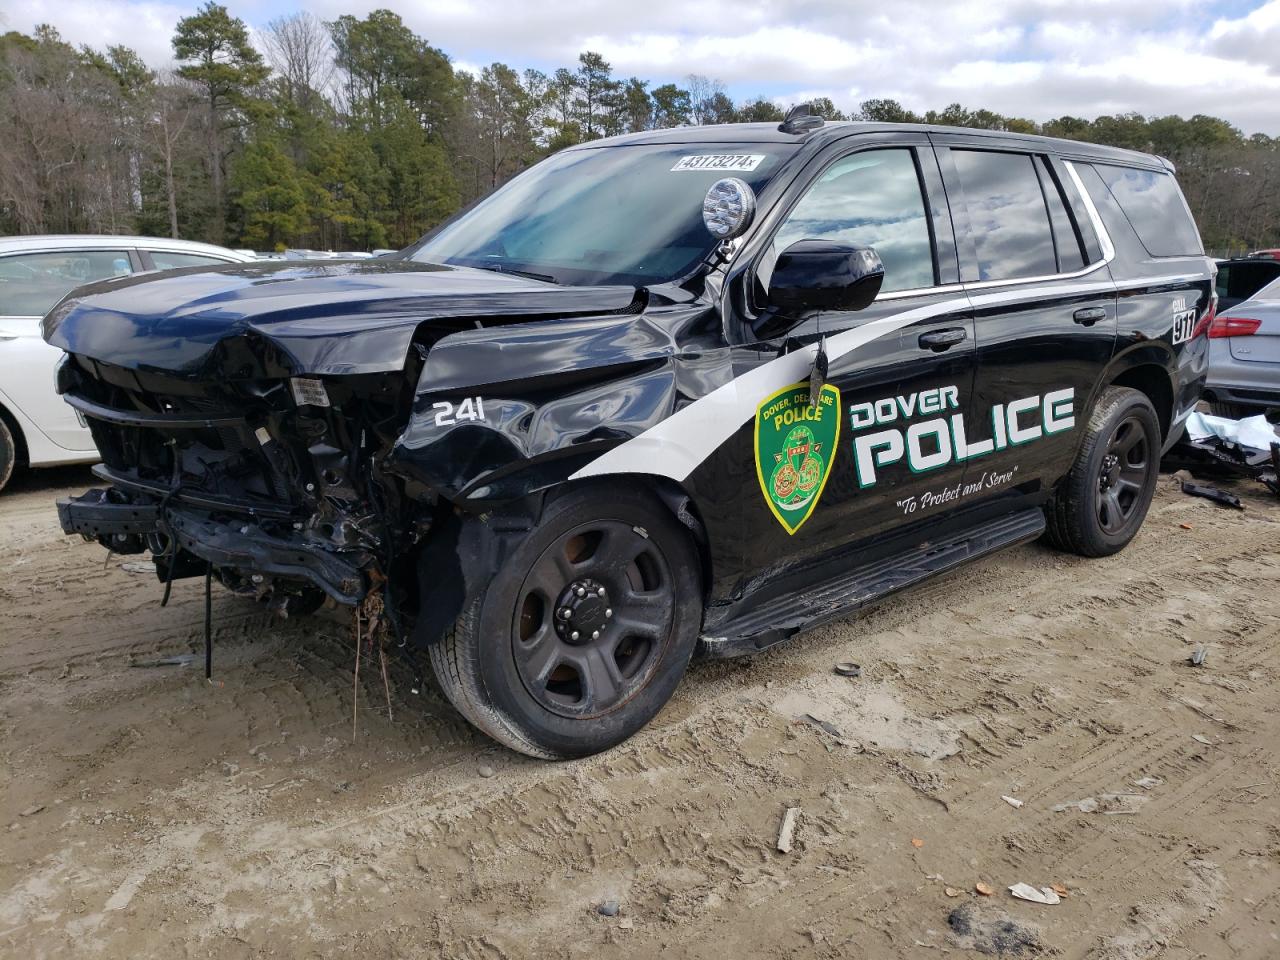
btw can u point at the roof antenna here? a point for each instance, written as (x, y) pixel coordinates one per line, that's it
(801, 119)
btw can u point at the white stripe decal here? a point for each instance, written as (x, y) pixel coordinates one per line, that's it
(676, 446)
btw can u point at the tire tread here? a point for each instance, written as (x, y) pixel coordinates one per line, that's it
(1071, 507)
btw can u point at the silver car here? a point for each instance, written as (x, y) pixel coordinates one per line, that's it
(1244, 356)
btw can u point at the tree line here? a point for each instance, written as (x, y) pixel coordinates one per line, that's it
(355, 134)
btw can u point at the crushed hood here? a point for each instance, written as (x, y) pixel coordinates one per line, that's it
(321, 317)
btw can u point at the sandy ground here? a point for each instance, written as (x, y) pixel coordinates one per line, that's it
(144, 813)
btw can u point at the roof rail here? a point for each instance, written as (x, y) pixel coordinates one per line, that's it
(801, 119)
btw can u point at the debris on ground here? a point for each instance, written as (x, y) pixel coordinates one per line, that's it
(848, 669)
(608, 908)
(1045, 895)
(1109, 803)
(32, 811)
(181, 660)
(1222, 447)
(1201, 738)
(1059, 889)
(1012, 801)
(995, 935)
(486, 771)
(825, 726)
(1212, 493)
(917, 842)
(984, 888)
(1147, 783)
(787, 829)
(1198, 656)
(951, 891)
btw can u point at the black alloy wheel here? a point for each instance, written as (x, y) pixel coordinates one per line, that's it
(581, 634)
(1123, 475)
(1100, 505)
(592, 619)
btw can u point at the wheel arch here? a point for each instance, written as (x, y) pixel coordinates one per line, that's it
(19, 438)
(1154, 381)
(466, 549)
(679, 501)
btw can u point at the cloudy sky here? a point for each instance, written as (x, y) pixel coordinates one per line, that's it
(1035, 58)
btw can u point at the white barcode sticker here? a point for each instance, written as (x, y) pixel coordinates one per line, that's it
(720, 162)
(307, 392)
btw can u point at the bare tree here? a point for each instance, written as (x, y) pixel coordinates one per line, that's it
(172, 105)
(704, 95)
(300, 49)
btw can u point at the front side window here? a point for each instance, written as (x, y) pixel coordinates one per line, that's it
(601, 215)
(31, 283)
(869, 199)
(166, 260)
(1008, 219)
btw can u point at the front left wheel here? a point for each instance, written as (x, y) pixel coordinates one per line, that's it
(585, 631)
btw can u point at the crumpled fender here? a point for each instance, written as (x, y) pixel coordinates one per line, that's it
(503, 412)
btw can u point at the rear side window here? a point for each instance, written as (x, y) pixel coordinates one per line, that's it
(1012, 235)
(1153, 205)
(165, 260)
(31, 283)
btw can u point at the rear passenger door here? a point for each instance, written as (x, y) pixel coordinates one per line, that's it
(1034, 265)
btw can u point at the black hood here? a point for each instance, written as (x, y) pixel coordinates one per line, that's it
(322, 317)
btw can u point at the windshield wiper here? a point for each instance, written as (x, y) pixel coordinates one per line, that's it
(527, 274)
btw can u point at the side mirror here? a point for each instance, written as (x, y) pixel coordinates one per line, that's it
(823, 275)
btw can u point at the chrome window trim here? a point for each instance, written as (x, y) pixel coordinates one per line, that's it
(1104, 238)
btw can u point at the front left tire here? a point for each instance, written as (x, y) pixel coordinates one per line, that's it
(585, 631)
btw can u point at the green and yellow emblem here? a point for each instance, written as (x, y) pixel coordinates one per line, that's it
(795, 443)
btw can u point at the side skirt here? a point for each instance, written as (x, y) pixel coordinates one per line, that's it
(852, 589)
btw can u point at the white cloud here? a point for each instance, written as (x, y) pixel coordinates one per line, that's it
(1035, 58)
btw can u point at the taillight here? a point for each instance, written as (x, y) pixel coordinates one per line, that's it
(1207, 320)
(1233, 327)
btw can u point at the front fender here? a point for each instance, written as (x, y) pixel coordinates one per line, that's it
(503, 412)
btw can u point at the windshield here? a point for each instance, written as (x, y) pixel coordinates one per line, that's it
(629, 215)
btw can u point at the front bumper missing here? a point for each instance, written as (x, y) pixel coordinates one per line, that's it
(237, 546)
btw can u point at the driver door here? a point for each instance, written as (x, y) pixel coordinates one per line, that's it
(900, 374)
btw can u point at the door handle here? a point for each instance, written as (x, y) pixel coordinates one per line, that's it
(939, 340)
(1088, 316)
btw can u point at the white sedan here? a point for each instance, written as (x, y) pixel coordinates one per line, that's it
(36, 427)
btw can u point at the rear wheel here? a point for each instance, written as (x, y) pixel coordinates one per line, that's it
(1102, 503)
(585, 631)
(8, 453)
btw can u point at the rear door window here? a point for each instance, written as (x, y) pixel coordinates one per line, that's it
(1153, 205)
(1008, 218)
(31, 283)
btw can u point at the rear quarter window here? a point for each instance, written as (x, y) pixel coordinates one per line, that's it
(1153, 205)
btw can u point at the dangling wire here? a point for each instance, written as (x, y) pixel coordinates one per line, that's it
(208, 622)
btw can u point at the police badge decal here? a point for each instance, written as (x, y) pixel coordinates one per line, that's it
(795, 444)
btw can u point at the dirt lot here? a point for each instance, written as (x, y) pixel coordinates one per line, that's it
(144, 813)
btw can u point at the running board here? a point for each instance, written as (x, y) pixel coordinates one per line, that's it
(781, 619)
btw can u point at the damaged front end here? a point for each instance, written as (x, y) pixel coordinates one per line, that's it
(270, 484)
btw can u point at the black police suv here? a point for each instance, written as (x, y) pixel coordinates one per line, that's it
(686, 391)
